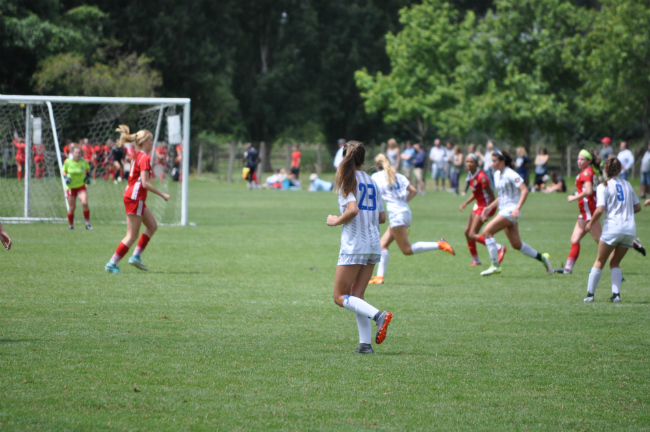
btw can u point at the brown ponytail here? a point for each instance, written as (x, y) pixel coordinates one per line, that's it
(382, 163)
(612, 168)
(354, 155)
(137, 138)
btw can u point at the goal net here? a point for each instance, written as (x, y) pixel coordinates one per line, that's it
(38, 133)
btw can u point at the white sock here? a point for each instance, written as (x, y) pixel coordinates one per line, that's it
(365, 329)
(381, 269)
(493, 250)
(527, 250)
(420, 247)
(617, 278)
(594, 278)
(355, 304)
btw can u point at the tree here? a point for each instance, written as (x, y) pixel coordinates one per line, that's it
(419, 89)
(612, 55)
(512, 75)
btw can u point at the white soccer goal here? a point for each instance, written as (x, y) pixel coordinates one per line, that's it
(47, 123)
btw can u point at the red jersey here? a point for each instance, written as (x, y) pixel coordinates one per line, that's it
(161, 154)
(587, 175)
(88, 152)
(38, 150)
(134, 190)
(295, 159)
(477, 183)
(20, 150)
(66, 150)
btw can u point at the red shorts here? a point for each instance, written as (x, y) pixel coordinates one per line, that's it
(587, 212)
(39, 159)
(21, 161)
(73, 192)
(134, 207)
(479, 210)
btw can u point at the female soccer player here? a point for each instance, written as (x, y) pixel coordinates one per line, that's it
(361, 213)
(617, 197)
(117, 156)
(135, 195)
(76, 172)
(482, 193)
(396, 190)
(512, 194)
(20, 145)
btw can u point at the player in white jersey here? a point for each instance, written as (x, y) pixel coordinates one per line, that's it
(617, 198)
(361, 213)
(512, 193)
(397, 191)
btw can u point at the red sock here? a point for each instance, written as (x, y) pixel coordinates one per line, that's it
(121, 250)
(573, 257)
(142, 243)
(87, 215)
(472, 250)
(20, 175)
(70, 219)
(481, 239)
(38, 173)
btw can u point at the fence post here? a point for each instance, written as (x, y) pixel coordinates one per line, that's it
(214, 158)
(200, 162)
(231, 161)
(568, 162)
(287, 161)
(319, 161)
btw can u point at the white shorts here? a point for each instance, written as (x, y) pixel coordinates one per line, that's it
(400, 219)
(615, 239)
(506, 213)
(358, 259)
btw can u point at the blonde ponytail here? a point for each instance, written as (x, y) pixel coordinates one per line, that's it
(137, 138)
(382, 163)
(354, 155)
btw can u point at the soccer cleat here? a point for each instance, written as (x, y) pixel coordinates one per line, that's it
(473, 264)
(616, 298)
(112, 268)
(383, 319)
(502, 253)
(71, 227)
(135, 261)
(589, 298)
(638, 247)
(546, 260)
(444, 246)
(364, 349)
(88, 227)
(561, 271)
(376, 280)
(491, 270)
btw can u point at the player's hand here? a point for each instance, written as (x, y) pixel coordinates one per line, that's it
(68, 180)
(462, 206)
(588, 226)
(571, 198)
(331, 220)
(515, 214)
(646, 203)
(6, 241)
(165, 197)
(485, 214)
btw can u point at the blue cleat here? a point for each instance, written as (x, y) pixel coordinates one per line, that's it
(137, 262)
(112, 268)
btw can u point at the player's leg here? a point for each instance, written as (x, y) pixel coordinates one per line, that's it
(515, 240)
(151, 225)
(83, 197)
(402, 240)
(604, 251)
(386, 239)
(133, 222)
(480, 238)
(474, 224)
(382, 318)
(497, 224)
(617, 274)
(578, 233)
(72, 204)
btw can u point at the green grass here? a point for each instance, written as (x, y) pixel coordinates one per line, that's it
(234, 327)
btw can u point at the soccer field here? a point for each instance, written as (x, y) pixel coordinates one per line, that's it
(234, 327)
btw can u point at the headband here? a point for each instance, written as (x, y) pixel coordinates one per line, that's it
(473, 156)
(584, 153)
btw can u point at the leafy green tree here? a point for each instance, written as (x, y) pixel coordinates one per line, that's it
(612, 55)
(419, 89)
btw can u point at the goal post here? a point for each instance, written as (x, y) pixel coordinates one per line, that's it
(34, 131)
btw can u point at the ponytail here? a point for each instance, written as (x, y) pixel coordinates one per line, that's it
(354, 155)
(612, 168)
(382, 163)
(137, 138)
(504, 156)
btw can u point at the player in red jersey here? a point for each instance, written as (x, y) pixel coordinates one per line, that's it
(162, 156)
(38, 150)
(135, 196)
(20, 145)
(67, 149)
(479, 182)
(100, 155)
(89, 152)
(586, 197)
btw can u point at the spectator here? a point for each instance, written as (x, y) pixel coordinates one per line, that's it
(407, 157)
(557, 184)
(541, 168)
(645, 173)
(274, 181)
(487, 161)
(393, 153)
(251, 159)
(437, 156)
(338, 157)
(522, 162)
(456, 166)
(449, 159)
(319, 185)
(295, 161)
(418, 167)
(606, 150)
(627, 161)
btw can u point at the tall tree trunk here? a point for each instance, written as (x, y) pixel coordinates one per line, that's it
(644, 123)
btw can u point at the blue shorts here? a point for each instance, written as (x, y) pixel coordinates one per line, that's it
(645, 178)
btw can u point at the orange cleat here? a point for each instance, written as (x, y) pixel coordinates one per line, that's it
(376, 280)
(383, 320)
(502, 253)
(444, 246)
(475, 264)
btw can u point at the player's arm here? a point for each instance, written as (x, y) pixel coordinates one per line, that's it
(412, 193)
(522, 200)
(382, 217)
(587, 191)
(637, 208)
(146, 183)
(351, 210)
(469, 200)
(646, 203)
(595, 217)
(4, 238)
